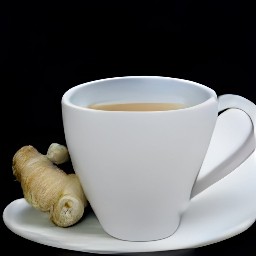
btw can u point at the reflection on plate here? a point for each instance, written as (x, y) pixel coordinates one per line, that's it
(225, 209)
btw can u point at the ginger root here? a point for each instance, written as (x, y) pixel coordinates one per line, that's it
(47, 187)
(57, 153)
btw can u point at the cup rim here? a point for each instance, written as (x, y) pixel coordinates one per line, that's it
(66, 98)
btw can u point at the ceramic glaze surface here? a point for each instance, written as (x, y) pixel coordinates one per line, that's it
(207, 220)
(138, 168)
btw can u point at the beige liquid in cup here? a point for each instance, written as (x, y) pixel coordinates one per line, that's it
(137, 106)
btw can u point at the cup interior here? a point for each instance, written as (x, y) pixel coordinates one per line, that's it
(139, 89)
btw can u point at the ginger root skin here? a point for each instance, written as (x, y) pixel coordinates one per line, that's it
(48, 188)
(57, 153)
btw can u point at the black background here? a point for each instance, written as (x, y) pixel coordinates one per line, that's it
(48, 48)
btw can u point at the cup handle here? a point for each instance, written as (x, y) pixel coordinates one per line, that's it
(238, 110)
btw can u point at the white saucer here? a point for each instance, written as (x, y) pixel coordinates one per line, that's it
(223, 210)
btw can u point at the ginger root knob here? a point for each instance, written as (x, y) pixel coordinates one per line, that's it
(47, 187)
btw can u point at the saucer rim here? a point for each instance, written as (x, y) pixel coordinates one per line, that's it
(235, 187)
(238, 229)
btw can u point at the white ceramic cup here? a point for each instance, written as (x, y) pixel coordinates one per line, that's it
(138, 168)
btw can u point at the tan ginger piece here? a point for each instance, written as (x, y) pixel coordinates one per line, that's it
(57, 153)
(47, 187)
